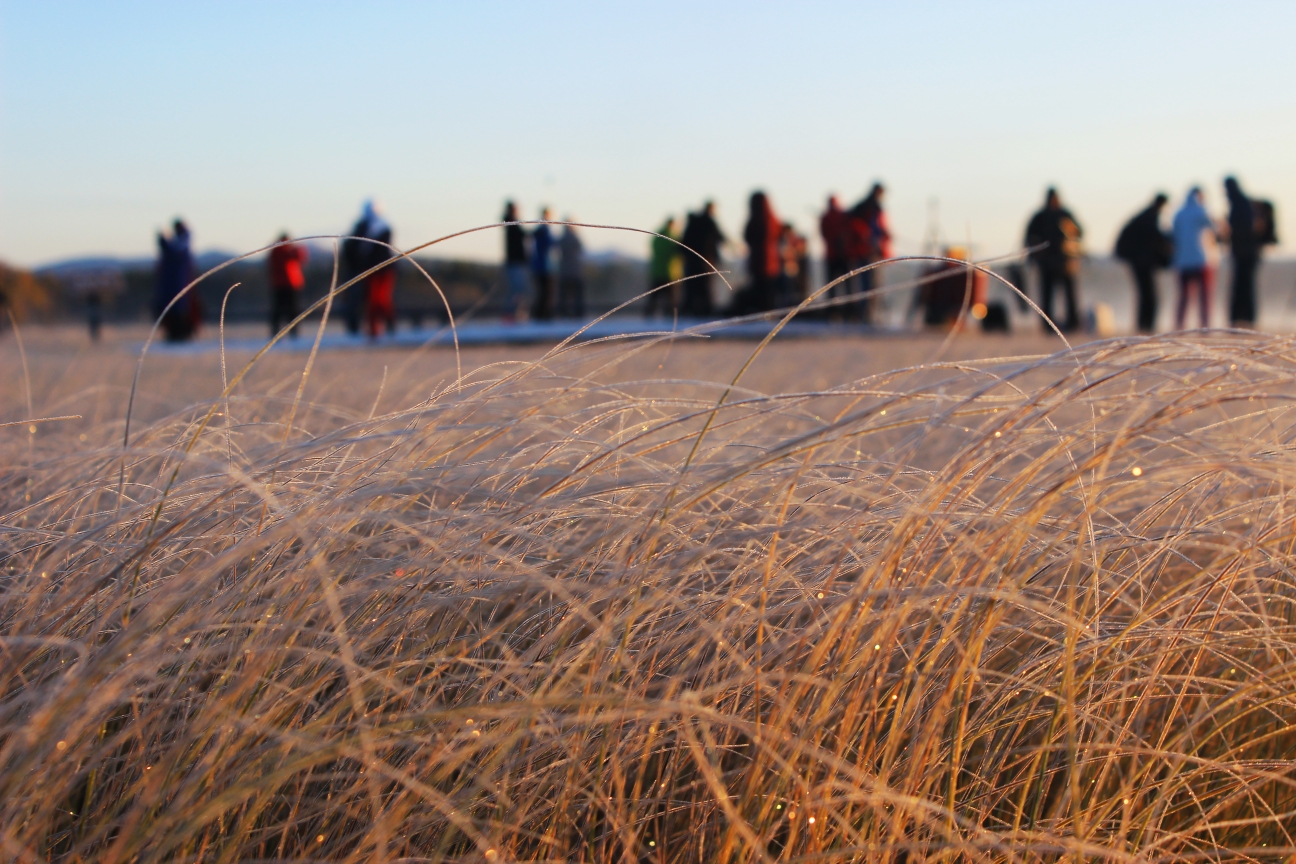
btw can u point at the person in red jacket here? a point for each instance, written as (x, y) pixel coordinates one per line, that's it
(764, 261)
(286, 282)
(871, 243)
(835, 228)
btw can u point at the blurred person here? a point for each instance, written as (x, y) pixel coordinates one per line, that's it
(870, 242)
(355, 260)
(764, 263)
(880, 236)
(664, 267)
(953, 292)
(794, 251)
(571, 273)
(94, 314)
(1146, 248)
(834, 228)
(515, 264)
(1058, 261)
(859, 252)
(1244, 250)
(703, 237)
(175, 270)
(284, 265)
(380, 286)
(1189, 260)
(542, 241)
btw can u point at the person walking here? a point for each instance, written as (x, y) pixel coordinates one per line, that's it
(284, 265)
(703, 237)
(1058, 234)
(834, 228)
(175, 270)
(515, 265)
(1146, 249)
(571, 273)
(664, 268)
(1189, 259)
(1244, 250)
(380, 287)
(542, 304)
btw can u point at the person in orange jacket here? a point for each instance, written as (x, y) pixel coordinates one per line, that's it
(287, 279)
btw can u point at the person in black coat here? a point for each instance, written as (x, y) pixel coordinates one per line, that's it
(175, 270)
(1144, 246)
(356, 257)
(702, 235)
(1058, 234)
(1244, 246)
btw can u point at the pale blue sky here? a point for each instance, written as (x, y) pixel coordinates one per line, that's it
(252, 117)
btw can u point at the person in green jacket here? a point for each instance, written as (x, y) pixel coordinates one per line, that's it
(664, 268)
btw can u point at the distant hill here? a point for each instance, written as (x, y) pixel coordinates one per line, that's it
(610, 276)
(205, 260)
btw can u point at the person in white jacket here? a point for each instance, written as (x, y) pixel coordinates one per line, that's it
(1190, 261)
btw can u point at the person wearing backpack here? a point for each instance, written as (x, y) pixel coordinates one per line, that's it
(1244, 249)
(1146, 249)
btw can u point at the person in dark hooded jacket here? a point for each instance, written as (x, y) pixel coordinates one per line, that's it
(542, 244)
(1058, 234)
(355, 260)
(1146, 248)
(380, 286)
(175, 270)
(1244, 247)
(764, 262)
(703, 238)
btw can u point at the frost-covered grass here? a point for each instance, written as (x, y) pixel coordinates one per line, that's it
(1018, 610)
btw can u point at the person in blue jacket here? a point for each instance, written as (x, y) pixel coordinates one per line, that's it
(1189, 260)
(542, 241)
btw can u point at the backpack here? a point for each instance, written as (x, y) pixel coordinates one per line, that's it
(1125, 243)
(1266, 224)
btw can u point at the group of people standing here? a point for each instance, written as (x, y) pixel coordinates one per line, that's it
(682, 263)
(529, 268)
(853, 239)
(1147, 248)
(679, 281)
(544, 268)
(369, 302)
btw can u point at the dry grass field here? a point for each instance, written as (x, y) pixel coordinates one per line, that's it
(602, 606)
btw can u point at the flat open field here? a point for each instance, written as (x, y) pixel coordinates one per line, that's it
(70, 375)
(599, 606)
